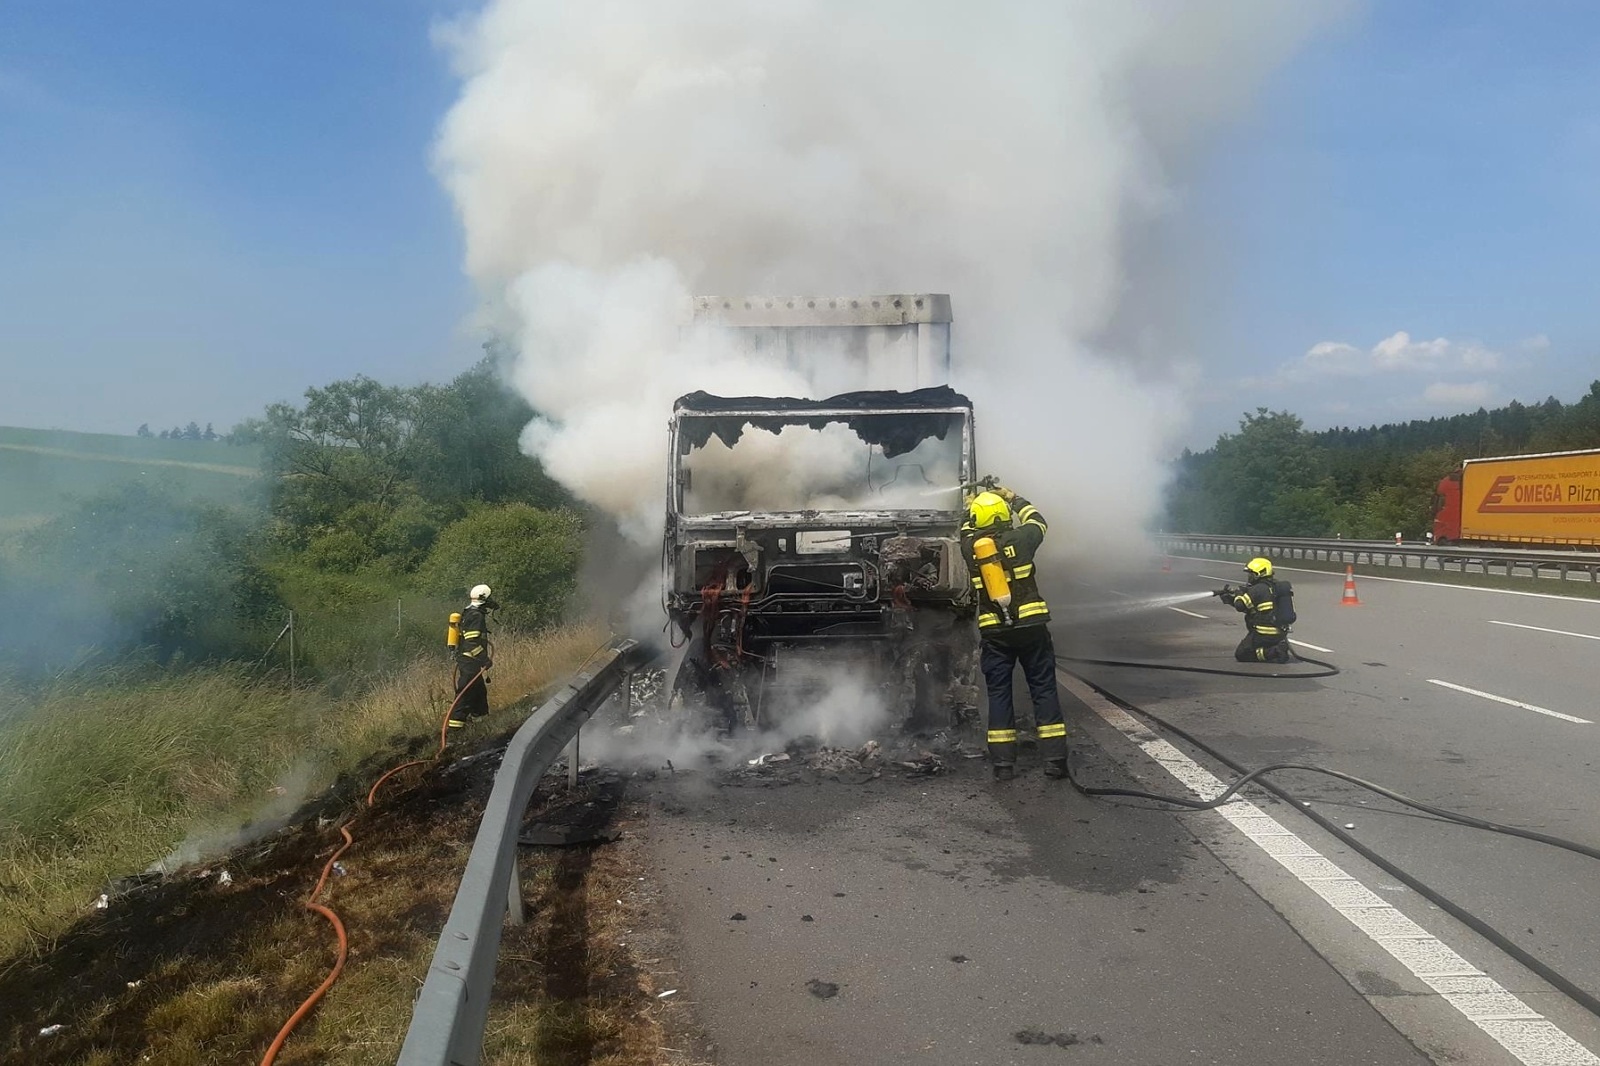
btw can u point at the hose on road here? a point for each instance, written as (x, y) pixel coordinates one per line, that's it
(1579, 995)
(1328, 669)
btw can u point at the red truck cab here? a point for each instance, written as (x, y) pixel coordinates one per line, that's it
(1447, 509)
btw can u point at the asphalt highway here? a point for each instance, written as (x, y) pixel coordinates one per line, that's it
(952, 919)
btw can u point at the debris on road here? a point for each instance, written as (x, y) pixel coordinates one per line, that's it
(769, 757)
(51, 1030)
(1040, 1037)
(822, 989)
(668, 992)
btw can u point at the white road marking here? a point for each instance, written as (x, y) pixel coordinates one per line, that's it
(1542, 629)
(1313, 647)
(1510, 702)
(1191, 614)
(1532, 1038)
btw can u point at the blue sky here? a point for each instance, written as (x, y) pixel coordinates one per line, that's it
(205, 207)
(1430, 169)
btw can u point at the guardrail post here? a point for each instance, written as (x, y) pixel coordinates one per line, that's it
(515, 914)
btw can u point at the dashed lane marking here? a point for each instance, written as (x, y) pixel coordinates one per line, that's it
(1509, 702)
(1313, 647)
(1542, 629)
(1528, 1035)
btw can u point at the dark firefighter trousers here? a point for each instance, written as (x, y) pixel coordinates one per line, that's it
(1259, 648)
(1000, 652)
(472, 693)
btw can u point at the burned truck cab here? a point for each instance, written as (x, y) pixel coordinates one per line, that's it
(805, 538)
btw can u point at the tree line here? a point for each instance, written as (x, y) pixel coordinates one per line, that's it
(190, 432)
(372, 496)
(1275, 478)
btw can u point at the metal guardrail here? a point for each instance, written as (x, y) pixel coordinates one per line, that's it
(452, 1010)
(1512, 562)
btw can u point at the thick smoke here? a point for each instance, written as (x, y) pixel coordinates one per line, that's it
(609, 159)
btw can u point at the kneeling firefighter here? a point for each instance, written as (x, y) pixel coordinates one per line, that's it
(1268, 608)
(468, 636)
(1013, 624)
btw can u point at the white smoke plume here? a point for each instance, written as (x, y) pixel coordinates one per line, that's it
(609, 159)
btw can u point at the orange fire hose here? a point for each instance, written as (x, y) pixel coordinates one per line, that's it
(311, 903)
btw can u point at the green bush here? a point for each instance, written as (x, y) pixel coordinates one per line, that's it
(340, 551)
(528, 556)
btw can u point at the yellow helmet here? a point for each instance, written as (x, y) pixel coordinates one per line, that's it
(987, 508)
(1259, 567)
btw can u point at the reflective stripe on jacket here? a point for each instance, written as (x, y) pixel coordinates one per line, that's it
(1017, 546)
(474, 647)
(1256, 602)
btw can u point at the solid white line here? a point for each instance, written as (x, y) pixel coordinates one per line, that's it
(1313, 647)
(1510, 702)
(1191, 614)
(1542, 629)
(1482, 1000)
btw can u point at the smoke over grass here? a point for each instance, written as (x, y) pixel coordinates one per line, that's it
(610, 159)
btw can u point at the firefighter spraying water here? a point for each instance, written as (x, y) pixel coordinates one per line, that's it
(1268, 608)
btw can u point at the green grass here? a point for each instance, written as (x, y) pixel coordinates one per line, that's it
(105, 775)
(42, 471)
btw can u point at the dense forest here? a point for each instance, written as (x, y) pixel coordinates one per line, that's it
(378, 507)
(1273, 477)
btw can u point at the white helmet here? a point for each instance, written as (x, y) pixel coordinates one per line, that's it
(480, 593)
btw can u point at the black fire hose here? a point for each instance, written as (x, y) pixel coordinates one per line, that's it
(1328, 669)
(1584, 998)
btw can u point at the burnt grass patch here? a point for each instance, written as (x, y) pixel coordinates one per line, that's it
(194, 967)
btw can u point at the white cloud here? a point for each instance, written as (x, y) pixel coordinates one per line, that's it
(1458, 393)
(1335, 357)
(1397, 353)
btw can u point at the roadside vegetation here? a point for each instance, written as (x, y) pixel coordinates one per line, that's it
(1274, 478)
(179, 660)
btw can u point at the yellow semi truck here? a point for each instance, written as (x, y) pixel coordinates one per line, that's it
(1549, 500)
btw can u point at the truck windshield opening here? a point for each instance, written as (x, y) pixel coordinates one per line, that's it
(786, 463)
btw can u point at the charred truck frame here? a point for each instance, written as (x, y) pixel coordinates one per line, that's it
(813, 540)
(833, 544)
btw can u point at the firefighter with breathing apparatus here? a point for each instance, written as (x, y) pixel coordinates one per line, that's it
(1000, 537)
(1268, 608)
(468, 636)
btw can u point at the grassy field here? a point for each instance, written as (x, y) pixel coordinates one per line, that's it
(101, 776)
(41, 471)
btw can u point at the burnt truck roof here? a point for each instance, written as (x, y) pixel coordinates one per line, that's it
(895, 421)
(934, 398)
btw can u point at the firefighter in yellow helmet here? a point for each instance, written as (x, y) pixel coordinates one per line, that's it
(1000, 536)
(1266, 638)
(473, 659)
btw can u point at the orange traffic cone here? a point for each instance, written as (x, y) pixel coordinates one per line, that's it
(1166, 565)
(1349, 599)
